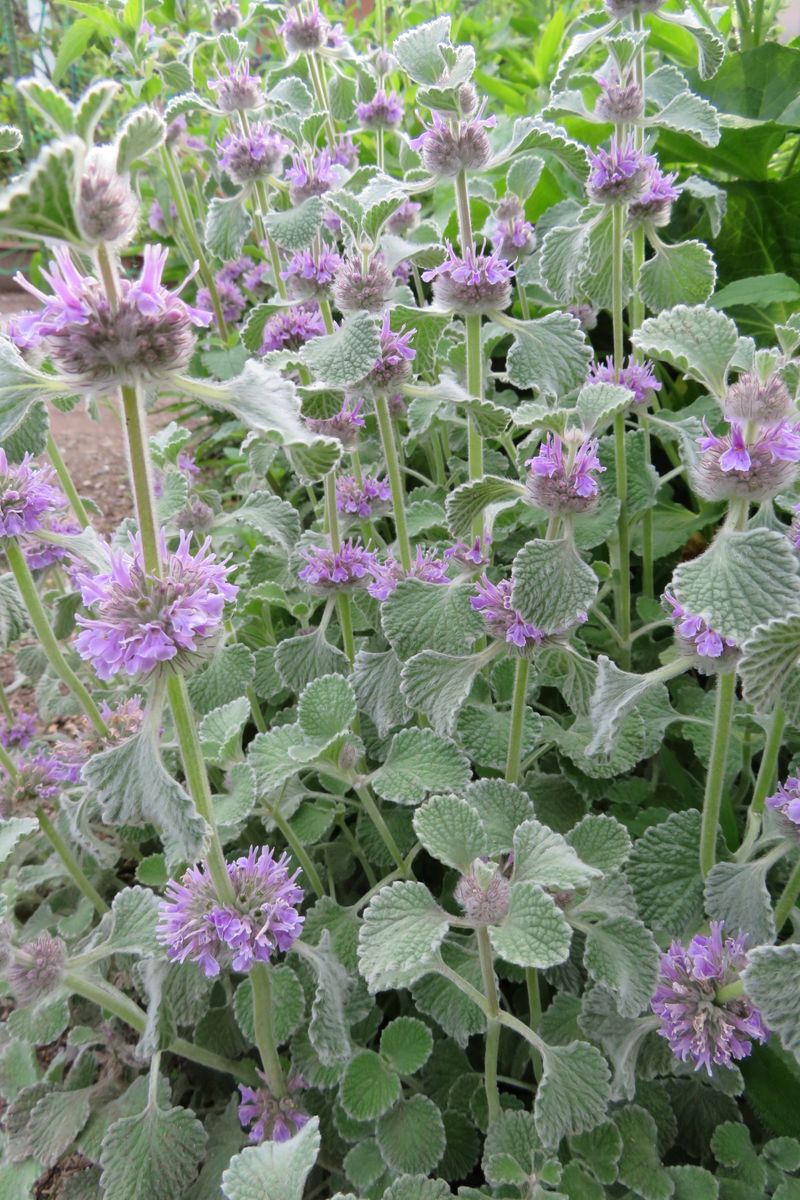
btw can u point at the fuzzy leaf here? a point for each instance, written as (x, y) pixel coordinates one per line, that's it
(664, 870)
(438, 684)
(772, 981)
(369, 1086)
(769, 667)
(295, 228)
(40, 203)
(574, 1092)
(10, 139)
(376, 682)
(343, 358)
(273, 1170)
(406, 1043)
(490, 494)
(227, 226)
(553, 586)
(550, 355)
(639, 1165)
(547, 859)
(420, 761)
(737, 894)
(402, 929)
(622, 955)
(329, 1028)
(600, 841)
(451, 831)
(418, 51)
(221, 731)
(426, 616)
(698, 341)
(153, 1155)
(683, 272)
(501, 807)
(12, 831)
(142, 132)
(411, 1136)
(534, 932)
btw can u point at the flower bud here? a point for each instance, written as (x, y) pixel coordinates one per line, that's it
(358, 288)
(467, 99)
(620, 101)
(38, 968)
(750, 399)
(585, 314)
(396, 355)
(108, 209)
(304, 31)
(448, 147)
(624, 8)
(484, 893)
(225, 19)
(251, 156)
(238, 90)
(712, 654)
(653, 205)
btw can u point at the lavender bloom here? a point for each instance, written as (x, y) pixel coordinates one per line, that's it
(404, 218)
(259, 276)
(156, 219)
(310, 179)
(345, 152)
(513, 238)
(449, 146)
(638, 378)
(383, 111)
(470, 558)
(393, 365)
(20, 734)
(484, 893)
(38, 968)
(39, 555)
(304, 31)
(620, 101)
(359, 287)
(699, 1028)
(785, 803)
(144, 620)
(272, 1120)
(292, 327)
(402, 271)
(231, 299)
(263, 918)
(586, 316)
(238, 91)
(97, 348)
(425, 567)
(561, 483)
(35, 783)
(254, 155)
(123, 721)
(751, 399)
(309, 275)
(755, 465)
(362, 499)
(618, 175)
(108, 207)
(348, 567)
(493, 601)
(27, 496)
(695, 636)
(654, 204)
(225, 18)
(344, 425)
(476, 283)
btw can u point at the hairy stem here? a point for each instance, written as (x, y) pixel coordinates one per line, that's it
(71, 864)
(67, 486)
(715, 780)
(623, 582)
(492, 1044)
(514, 755)
(395, 480)
(787, 898)
(765, 780)
(264, 1031)
(376, 816)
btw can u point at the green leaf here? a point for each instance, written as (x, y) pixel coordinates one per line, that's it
(421, 616)
(769, 667)
(402, 929)
(622, 955)
(20, 387)
(573, 1094)
(664, 870)
(491, 494)
(295, 228)
(737, 894)
(682, 272)
(270, 517)
(451, 831)
(134, 788)
(744, 579)
(288, 1005)
(772, 980)
(552, 585)
(639, 1166)
(326, 709)
(600, 841)
(698, 341)
(437, 997)
(329, 1028)
(438, 684)
(49, 103)
(759, 290)
(548, 859)
(369, 1086)
(406, 1044)
(343, 358)
(616, 694)
(376, 682)
(12, 831)
(72, 46)
(597, 403)
(221, 731)
(564, 255)
(532, 133)
(693, 1183)
(420, 761)
(501, 807)
(599, 1149)
(226, 677)
(534, 932)
(10, 139)
(419, 53)
(550, 355)
(273, 1170)
(140, 134)
(152, 1156)
(130, 926)
(300, 659)
(55, 1122)
(277, 755)
(227, 225)
(411, 1136)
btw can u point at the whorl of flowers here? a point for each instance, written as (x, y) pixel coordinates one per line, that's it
(654, 203)
(383, 111)
(404, 218)
(20, 733)
(344, 425)
(470, 557)
(309, 275)
(751, 462)
(513, 237)
(292, 327)
(393, 364)
(312, 178)
(225, 18)
(253, 155)
(364, 498)
(97, 347)
(38, 968)
(107, 208)
(157, 220)
(752, 399)
(562, 476)
(39, 554)
(326, 569)
(638, 378)
(503, 621)
(785, 803)
(122, 720)
(448, 146)
(27, 496)
(695, 637)
(304, 30)
(699, 1027)
(36, 782)
(270, 1119)
(618, 175)
(484, 893)
(195, 925)
(231, 298)
(425, 566)
(620, 102)
(362, 286)
(237, 90)
(474, 283)
(585, 315)
(142, 621)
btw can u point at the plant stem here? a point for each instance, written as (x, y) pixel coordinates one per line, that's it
(475, 388)
(343, 608)
(65, 479)
(47, 639)
(514, 755)
(298, 850)
(5, 706)
(265, 1034)
(787, 898)
(769, 761)
(623, 584)
(375, 815)
(136, 430)
(395, 480)
(535, 1014)
(492, 1045)
(71, 864)
(715, 780)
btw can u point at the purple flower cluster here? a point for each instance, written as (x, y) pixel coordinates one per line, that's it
(364, 498)
(620, 101)
(122, 721)
(476, 283)
(654, 204)
(27, 496)
(393, 364)
(362, 286)
(699, 1027)
(786, 804)
(562, 482)
(617, 175)
(638, 378)
(472, 557)
(755, 463)
(238, 90)
(404, 218)
(272, 1120)
(344, 425)
(425, 567)
(383, 111)
(263, 918)
(309, 274)
(36, 782)
(20, 734)
(144, 620)
(108, 207)
(312, 178)
(448, 146)
(513, 238)
(327, 569)
(39, 554)
(292, 327)
(232, 301)
(493, 602)
(304, 30)
(38, 968)
(158, 221)
(695, 635)
(253, 155)
(484, 893)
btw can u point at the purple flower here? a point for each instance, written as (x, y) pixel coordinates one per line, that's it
(345, 152)
(620, 101)
(231, 299)
(36, 782)
(638, 378)
(362, 287)
(254, 155)
(425, 567)
(38, 968)
(470, 557)
(484, 893)
(362, 499)
(404, 218)
(27, 496)
(383, 111)
(654, 204)
(476, 283)
(513, 238)
(585, 315)
(698, 1026)
(344, 425)
(753, 399)
(238, 90)
(123, 721)
(97, 348)
(108, 207)
(225, 18)
(493, 601)
(292, 327)
(348, 567)
(392, 366)
(310, 179)
(785, 803)
(696, 637)
(560, 482)
(272, 1120)
(156, 219)
(311, 275)
(448, 146)
(21, 733)
(755, 464)
(618, 175)
(262, 919)
(39, 554)
(144, 620)
(304, 30)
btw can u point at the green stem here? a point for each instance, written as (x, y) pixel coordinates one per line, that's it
(10, 32)
(769, 761)
(623, 583)
(492, 1043)
(71, 864)
(5, 706)
(264, 1032)
(535, 1011)
(731, 991)
(344, 612)
(514, 755)
(475, 388)
(787, 898)
(65, 479)
(47, 639)
(715, 780)
(395, 480)
(375, 815)
(136, 430)
(298, 850)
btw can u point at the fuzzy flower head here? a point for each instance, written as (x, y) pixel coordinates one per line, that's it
(638, 378)
(122, 720)
(364, 499)
(359, 287)
(513, 238)
(36, 782)
(562, 475)
(304, 30)
(404, 218)
(237, 90)
(108, 208)
(41, 554)
(393, 365)
(309, 275)
(38, 968)
(785, 803)
(448, 146)
(195, 925)
(503, 621)
(624, 8)
(97, 348)
(312, 178)
(585, 315)
(248, 157)
(383, 111)
(326, 569)
(754, 464)
(27, 496)
(695, 637)
(699, 1027)
(620, 102)
(618, 175)
(272, 1120)
(225, 18)
(653, 206)
(476, 283)
(484, 893)
(345, 425)
(292, 327)
(157, 220)
(753, 399)
(20, 733)
(142, 621)
(470, 558)
(231, 298)
(425, 567)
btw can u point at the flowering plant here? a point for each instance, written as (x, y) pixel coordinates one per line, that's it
(401, 801)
